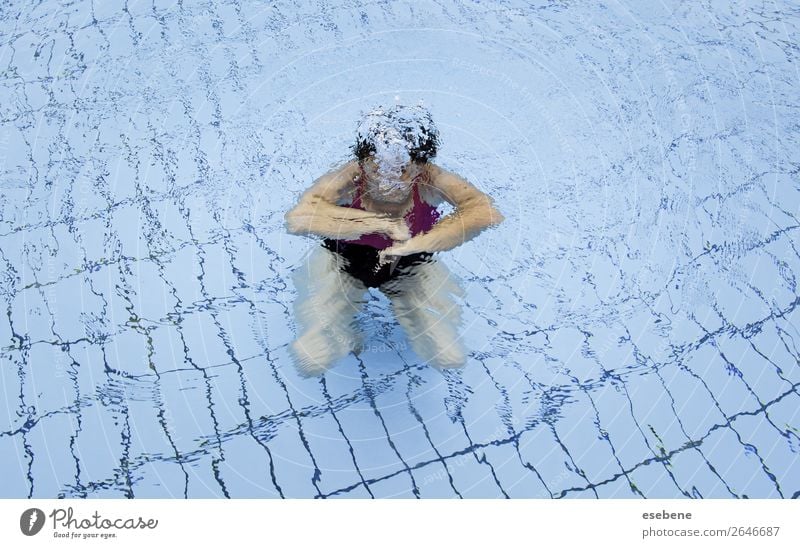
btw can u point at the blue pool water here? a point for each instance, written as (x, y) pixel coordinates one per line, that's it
(632, 325)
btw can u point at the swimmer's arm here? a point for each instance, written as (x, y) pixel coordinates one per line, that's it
(316, 213)
(474, 211)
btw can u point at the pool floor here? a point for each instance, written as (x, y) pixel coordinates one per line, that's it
(630, 326)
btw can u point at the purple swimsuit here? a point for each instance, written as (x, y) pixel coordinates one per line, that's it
(361, 256)
(420, 218)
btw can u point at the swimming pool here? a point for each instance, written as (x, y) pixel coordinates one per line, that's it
(630, 326)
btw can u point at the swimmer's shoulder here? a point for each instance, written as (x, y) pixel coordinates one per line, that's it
(428, 191)
(446, 186)
(338, 184)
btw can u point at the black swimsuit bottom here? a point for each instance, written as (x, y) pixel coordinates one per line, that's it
(361, 262)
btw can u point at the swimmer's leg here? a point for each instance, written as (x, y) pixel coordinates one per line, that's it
(424, 299)
(327, 304)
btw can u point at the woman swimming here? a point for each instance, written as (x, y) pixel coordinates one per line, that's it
(378, 217)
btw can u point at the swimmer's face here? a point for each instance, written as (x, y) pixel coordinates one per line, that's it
(390, 187)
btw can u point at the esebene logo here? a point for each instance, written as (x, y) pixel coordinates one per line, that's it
(67, 524)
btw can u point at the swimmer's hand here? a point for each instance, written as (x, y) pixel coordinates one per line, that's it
(397, 230)
(400, 249)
